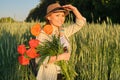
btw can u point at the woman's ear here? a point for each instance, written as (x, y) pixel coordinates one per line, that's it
(48, 18)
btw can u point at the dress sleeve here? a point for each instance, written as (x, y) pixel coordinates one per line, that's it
(70, 30)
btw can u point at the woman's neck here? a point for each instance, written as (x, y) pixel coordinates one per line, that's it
(55, 27)
(55, 30)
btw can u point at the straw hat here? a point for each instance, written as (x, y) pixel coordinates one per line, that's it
(56, 7)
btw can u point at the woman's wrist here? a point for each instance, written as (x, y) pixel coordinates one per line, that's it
(52, 59)
(58, 58)
(55, 58)
(63, 56)
(75, 9)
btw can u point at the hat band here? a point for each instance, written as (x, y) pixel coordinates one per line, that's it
(59, 8)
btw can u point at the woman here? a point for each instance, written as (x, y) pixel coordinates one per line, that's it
(55, 17)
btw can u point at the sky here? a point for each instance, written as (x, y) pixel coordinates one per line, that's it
(17, 9)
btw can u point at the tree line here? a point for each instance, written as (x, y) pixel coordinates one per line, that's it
(93, 10)
(7, 19)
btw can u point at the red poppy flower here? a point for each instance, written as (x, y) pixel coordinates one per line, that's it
(21, 49)
(31, 53)
(48, 29)
(33, 43)
(35, 30)
(23, 61)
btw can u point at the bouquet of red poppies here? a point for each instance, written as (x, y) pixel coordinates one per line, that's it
(28, 52)
(52, 47)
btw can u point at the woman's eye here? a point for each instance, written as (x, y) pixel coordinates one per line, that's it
(63, 15)
(57, 15)
(60, 15)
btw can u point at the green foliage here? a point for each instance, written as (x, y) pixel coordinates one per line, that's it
(50, 47)
(93, 10)
(67, 70)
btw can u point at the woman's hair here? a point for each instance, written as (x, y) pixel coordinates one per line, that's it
(47, 21)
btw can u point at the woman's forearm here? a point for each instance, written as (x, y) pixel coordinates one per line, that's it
(64, 56)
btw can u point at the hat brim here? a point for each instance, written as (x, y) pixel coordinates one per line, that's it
(59, 9)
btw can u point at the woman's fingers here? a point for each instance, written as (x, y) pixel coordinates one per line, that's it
(69, 7)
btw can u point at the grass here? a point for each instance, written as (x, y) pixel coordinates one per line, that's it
(95, 55)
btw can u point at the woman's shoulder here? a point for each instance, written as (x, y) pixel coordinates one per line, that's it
(43, 36)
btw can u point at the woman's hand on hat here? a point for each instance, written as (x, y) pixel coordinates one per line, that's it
(72, 8)
(69, 7)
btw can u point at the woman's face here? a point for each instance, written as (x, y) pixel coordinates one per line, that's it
(56, 19)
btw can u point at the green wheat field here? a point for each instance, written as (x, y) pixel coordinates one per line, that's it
(95, 51)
